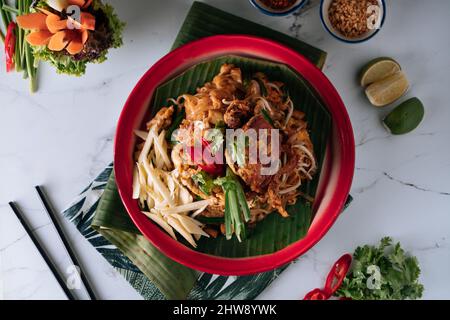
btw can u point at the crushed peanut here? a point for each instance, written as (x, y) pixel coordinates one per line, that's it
(351, 17)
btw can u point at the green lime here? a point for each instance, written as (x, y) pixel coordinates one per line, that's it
(406, 117)
(388, 90)
(378, 69)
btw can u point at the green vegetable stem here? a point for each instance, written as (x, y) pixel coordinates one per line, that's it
(237, 212)
(23, 55)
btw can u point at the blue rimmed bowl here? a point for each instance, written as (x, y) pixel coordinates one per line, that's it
(274, 12)
(324, 7)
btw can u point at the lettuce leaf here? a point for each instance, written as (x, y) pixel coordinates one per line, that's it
(66, 64)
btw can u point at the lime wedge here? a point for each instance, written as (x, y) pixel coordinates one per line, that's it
(406, 117)
(378, 69)
(388, 90)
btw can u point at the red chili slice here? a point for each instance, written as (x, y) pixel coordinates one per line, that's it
(10, 46)
(337, 274)
(316, 294)
(208, 166)
(334, 279)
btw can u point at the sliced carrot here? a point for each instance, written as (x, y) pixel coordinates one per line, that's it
(75, 46)
(60, 40)
(39, 38)
(87, 21)
(84, 36)
(55, 24)
(79, 3)
(32, 21)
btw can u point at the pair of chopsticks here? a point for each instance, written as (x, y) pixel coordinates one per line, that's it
(51, 213)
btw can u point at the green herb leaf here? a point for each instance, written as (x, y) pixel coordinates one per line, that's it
(204, 182)
(215, 139)
(397, 278)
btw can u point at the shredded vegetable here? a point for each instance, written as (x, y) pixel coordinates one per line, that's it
(168, 202)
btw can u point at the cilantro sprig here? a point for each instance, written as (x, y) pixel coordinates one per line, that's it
(385, 272)
(204, 182)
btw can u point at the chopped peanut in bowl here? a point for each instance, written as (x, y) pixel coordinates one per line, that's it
(353, 18)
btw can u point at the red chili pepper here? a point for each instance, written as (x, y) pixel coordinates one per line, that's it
(207, 162)
(10, 46)
(316, 294)
(334, 280)
(211, 169)
(337, 274)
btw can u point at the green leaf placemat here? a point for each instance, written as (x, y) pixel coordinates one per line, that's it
(204, 20)
(104, 222)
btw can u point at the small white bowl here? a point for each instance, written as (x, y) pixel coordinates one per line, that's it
(274, 12)
(325, 5)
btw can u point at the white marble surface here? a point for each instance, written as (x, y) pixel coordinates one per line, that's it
(62, 136)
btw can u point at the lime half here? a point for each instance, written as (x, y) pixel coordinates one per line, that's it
(406, 117)
(378, 69)
(386, 91)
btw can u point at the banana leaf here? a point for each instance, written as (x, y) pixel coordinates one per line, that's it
(204, 20)
(274, 232)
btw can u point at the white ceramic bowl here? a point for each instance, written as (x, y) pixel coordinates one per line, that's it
(273, 12)
(325, 5)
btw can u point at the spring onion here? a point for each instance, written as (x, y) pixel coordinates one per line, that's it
(23, 57)
(237, 212)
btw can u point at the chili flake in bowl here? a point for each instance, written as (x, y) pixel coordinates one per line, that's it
(353, 21)
(278, 7)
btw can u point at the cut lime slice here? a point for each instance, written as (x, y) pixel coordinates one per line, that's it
(378, 69)
(406, 117)
(386, 91)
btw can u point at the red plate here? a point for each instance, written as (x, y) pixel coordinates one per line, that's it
(336, 176)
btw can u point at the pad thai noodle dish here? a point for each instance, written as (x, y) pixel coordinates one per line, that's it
(217, 162)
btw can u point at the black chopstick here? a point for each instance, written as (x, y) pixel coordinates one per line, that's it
(51, 213)
(43, 253)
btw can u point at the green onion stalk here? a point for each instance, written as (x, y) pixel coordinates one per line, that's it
(237, 212)
(23, 56)
(5, 14)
